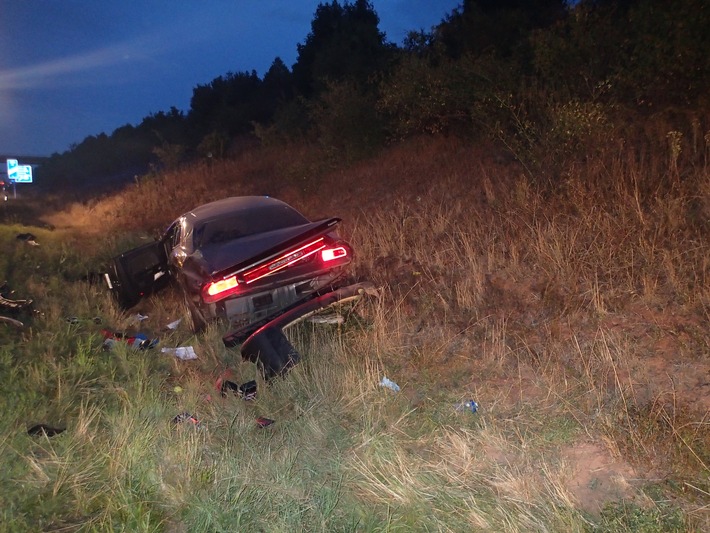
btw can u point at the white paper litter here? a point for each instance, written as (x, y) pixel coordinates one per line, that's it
(183, 352)
(175, 324)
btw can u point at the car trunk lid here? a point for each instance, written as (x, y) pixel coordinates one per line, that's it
(238, 256)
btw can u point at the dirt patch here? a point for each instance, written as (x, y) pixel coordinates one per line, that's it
(597, 477)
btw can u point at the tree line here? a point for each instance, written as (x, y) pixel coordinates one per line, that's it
(536, 76)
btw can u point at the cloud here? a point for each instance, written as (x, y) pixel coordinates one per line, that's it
(67, 70)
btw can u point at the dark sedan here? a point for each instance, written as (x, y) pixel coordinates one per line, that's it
(247, 260)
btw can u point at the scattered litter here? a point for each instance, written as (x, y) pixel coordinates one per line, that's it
(263, 422)
(28, 238)
(386, 382)
(177, 389)
(469, 405)
(139, 341)
(183, 352)
(139, 318)
(43, 429)
(246, 391)
(186, 417)
(77, 320)
(174, 325)
(13, 304)
(333, 318)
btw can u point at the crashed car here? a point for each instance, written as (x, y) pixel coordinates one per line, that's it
(248, 260)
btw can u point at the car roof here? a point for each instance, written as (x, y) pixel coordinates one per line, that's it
(232, 204)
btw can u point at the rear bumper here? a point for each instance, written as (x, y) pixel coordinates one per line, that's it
(300, 312)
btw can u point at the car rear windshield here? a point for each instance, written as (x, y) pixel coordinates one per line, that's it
(244, 223)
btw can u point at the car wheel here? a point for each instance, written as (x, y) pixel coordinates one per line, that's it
(199, 322)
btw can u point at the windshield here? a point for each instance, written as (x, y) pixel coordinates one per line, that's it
(244, 223)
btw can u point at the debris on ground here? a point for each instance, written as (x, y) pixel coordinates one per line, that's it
(271, 350)
(174, 325)
(10, 303)
(44, 429)
(386, 382)
(263, 422)
(77, 320)
(246, 391)
(468, 405)
(28, 238)
(139, 341)
(186, 417)
(11, 321)
(138, 318)
(183, 352)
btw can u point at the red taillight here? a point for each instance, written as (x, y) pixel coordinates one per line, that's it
(330, 254)
(216, 290)
(284, 261)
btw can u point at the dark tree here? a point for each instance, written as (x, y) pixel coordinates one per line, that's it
(345, 43)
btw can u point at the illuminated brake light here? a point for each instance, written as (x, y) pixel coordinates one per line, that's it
(329, 254)
(221, 288)
(284, 261)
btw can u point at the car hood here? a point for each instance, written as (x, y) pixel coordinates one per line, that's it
(218, 258)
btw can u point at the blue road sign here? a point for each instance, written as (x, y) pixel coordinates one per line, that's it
(18, 173)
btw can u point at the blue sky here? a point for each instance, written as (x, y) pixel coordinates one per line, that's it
(73, 68)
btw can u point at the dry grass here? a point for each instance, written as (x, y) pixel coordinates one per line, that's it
(575, 314)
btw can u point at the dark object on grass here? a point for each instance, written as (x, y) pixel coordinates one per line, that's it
(11, 321)
(186, 417)
(13, 307)
(139, 341)
(13, 304)
(263, 422)
(28, 238)
(246, 391)
(43, 429)
(272, 351)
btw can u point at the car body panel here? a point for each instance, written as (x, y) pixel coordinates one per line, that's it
(269, 346)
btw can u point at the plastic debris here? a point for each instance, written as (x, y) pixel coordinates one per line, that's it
(263, 422)
(386, 382)
(186, 417)
(183, 352)
(13, 304)
(174, 325)
(139, 318)
(11, 321)
(246, 391)
(468, 405)
(139, 341)
(77, 320)
(28, 238)
(43, 429)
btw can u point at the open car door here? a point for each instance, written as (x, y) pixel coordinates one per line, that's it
(138, 272)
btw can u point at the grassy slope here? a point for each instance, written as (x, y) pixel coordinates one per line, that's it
(576, 317)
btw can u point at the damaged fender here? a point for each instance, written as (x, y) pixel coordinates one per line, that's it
(269, 346)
